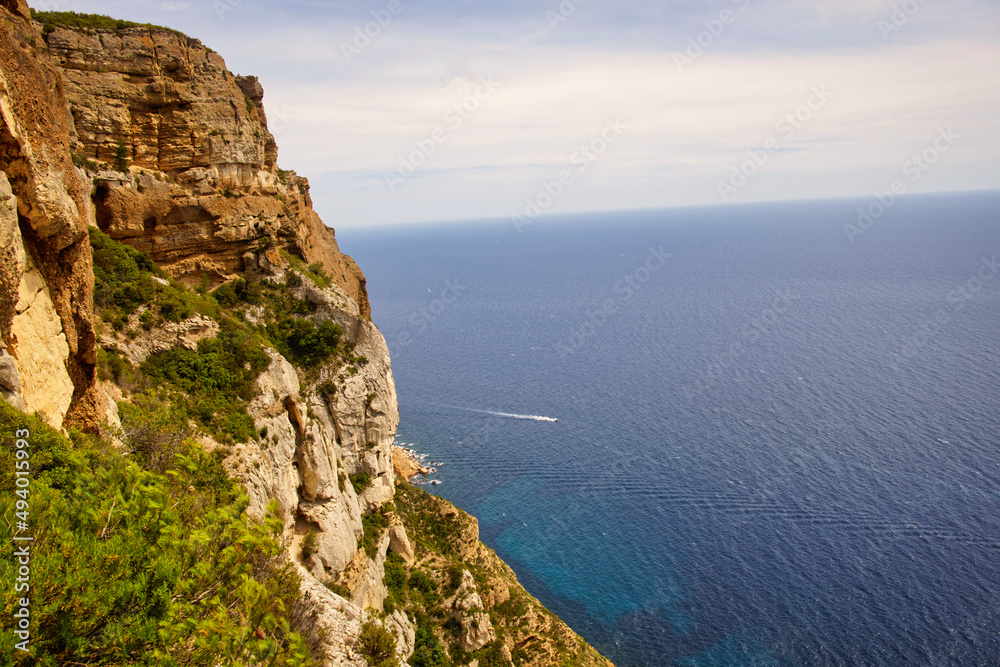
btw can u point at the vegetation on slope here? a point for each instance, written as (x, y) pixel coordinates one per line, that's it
(138, 566)
(212, 385)
(52, 20)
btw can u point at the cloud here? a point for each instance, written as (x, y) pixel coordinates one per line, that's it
(354, 121)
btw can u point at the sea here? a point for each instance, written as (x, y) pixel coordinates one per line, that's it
(732, 436)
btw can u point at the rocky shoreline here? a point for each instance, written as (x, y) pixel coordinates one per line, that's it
(408, 464)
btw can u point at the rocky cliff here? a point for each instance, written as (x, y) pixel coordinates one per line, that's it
(230, 317)
(46, 312)
(197, 180)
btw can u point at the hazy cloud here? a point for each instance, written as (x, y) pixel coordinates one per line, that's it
(566, 68)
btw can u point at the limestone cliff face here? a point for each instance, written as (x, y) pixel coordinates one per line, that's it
(174, 158)
(203, 184)
(46, 280)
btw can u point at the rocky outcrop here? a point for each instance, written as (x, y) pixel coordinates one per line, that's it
(468, 611)
(203, 186)
(343, 621)
(167, 336)
(46, 317)
(42, 347)
(17, 7)
(343, 424)
(10, 380)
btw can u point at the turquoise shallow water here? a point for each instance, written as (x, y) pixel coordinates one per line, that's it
(773, 446)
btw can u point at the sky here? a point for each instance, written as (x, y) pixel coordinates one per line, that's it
(404, 111)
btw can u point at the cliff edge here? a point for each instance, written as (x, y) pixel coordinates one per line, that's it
(167, 288)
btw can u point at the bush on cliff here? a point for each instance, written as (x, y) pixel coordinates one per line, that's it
(303, 342)
(131, 566)
(123, 283)
(378, 645)
(215, 381)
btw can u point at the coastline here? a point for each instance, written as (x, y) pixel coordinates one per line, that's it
(407, 464)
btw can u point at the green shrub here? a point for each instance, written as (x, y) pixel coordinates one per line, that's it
(317, 273)
(51, 20)
(374, 524)
(153, 431)
(113, 366)
(377, 645)
(121, 156)
(238, 291)
(175, 308)
(422, 583)
(395, 578)
(428, 651)
(122, 274)
(139, 567)
(360, 481)
(123, 282)
(512, 608)
(303, 342)
(491, 655)
(217, 380)
(309, 544)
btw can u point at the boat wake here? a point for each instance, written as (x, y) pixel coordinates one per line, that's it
(508, 415)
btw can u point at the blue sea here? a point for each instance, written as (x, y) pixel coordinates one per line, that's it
(777, 437)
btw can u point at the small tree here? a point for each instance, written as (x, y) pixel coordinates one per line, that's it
(121, 156)
(377, 645)
(309, 544)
